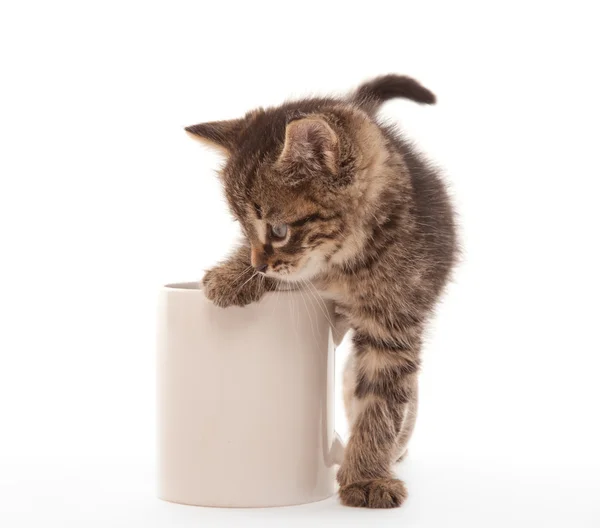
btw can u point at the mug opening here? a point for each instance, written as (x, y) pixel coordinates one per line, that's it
(196, 286)
(184, 285)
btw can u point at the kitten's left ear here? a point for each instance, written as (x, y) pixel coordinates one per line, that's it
(311, 147)
(220, 134)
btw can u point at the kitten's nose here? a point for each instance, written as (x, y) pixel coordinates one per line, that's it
(258, 259)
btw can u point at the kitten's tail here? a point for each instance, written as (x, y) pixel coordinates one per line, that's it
(372, 94)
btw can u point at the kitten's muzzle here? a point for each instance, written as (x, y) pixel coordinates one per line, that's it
(258, 259)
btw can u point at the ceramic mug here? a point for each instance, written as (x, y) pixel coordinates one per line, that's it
(245, 400)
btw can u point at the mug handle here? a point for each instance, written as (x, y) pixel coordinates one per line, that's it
(336, 453)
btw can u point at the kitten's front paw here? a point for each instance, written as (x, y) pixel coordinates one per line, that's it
(377, 493)
(230, 287)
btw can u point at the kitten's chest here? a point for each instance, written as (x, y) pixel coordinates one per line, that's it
(352, 290)
(335, 290)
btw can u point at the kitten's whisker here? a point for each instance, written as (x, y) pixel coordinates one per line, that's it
(277, 292)
(276, 285)
(311, 303)
(308, 312)
(262, 282)
(322, 304)
(292, 319)
(246, 282)
(319, 300)
(238, 277)
(314, 310)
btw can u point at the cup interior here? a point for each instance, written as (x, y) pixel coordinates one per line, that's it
(196, 286)
(184, 285)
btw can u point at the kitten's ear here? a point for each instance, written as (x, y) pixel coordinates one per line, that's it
(220, 134)
(311, 147)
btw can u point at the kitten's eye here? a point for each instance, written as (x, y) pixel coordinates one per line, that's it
(279, 231)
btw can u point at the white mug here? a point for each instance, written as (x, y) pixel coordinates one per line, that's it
(245, 400)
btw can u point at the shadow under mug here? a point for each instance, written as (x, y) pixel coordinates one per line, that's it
(245, 400)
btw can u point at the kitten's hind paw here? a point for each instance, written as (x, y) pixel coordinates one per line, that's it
(378, 493)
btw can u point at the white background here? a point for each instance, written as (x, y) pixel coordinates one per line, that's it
(103, 198)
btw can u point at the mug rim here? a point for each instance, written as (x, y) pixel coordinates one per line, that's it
(196, 287)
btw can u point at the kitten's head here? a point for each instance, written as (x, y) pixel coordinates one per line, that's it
(297, 176)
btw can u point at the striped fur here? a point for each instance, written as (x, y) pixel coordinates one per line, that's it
(369, 223)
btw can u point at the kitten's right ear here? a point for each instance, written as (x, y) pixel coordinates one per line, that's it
(311, 148)
(220, 134)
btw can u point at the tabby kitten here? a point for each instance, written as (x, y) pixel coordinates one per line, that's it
(324, 191)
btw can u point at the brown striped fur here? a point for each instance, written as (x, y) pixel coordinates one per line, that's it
(369, 223)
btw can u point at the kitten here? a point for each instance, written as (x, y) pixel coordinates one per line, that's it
(325, 192)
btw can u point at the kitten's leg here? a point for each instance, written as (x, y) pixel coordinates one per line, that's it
(385, 383)
(350, 400)
(235, 281)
